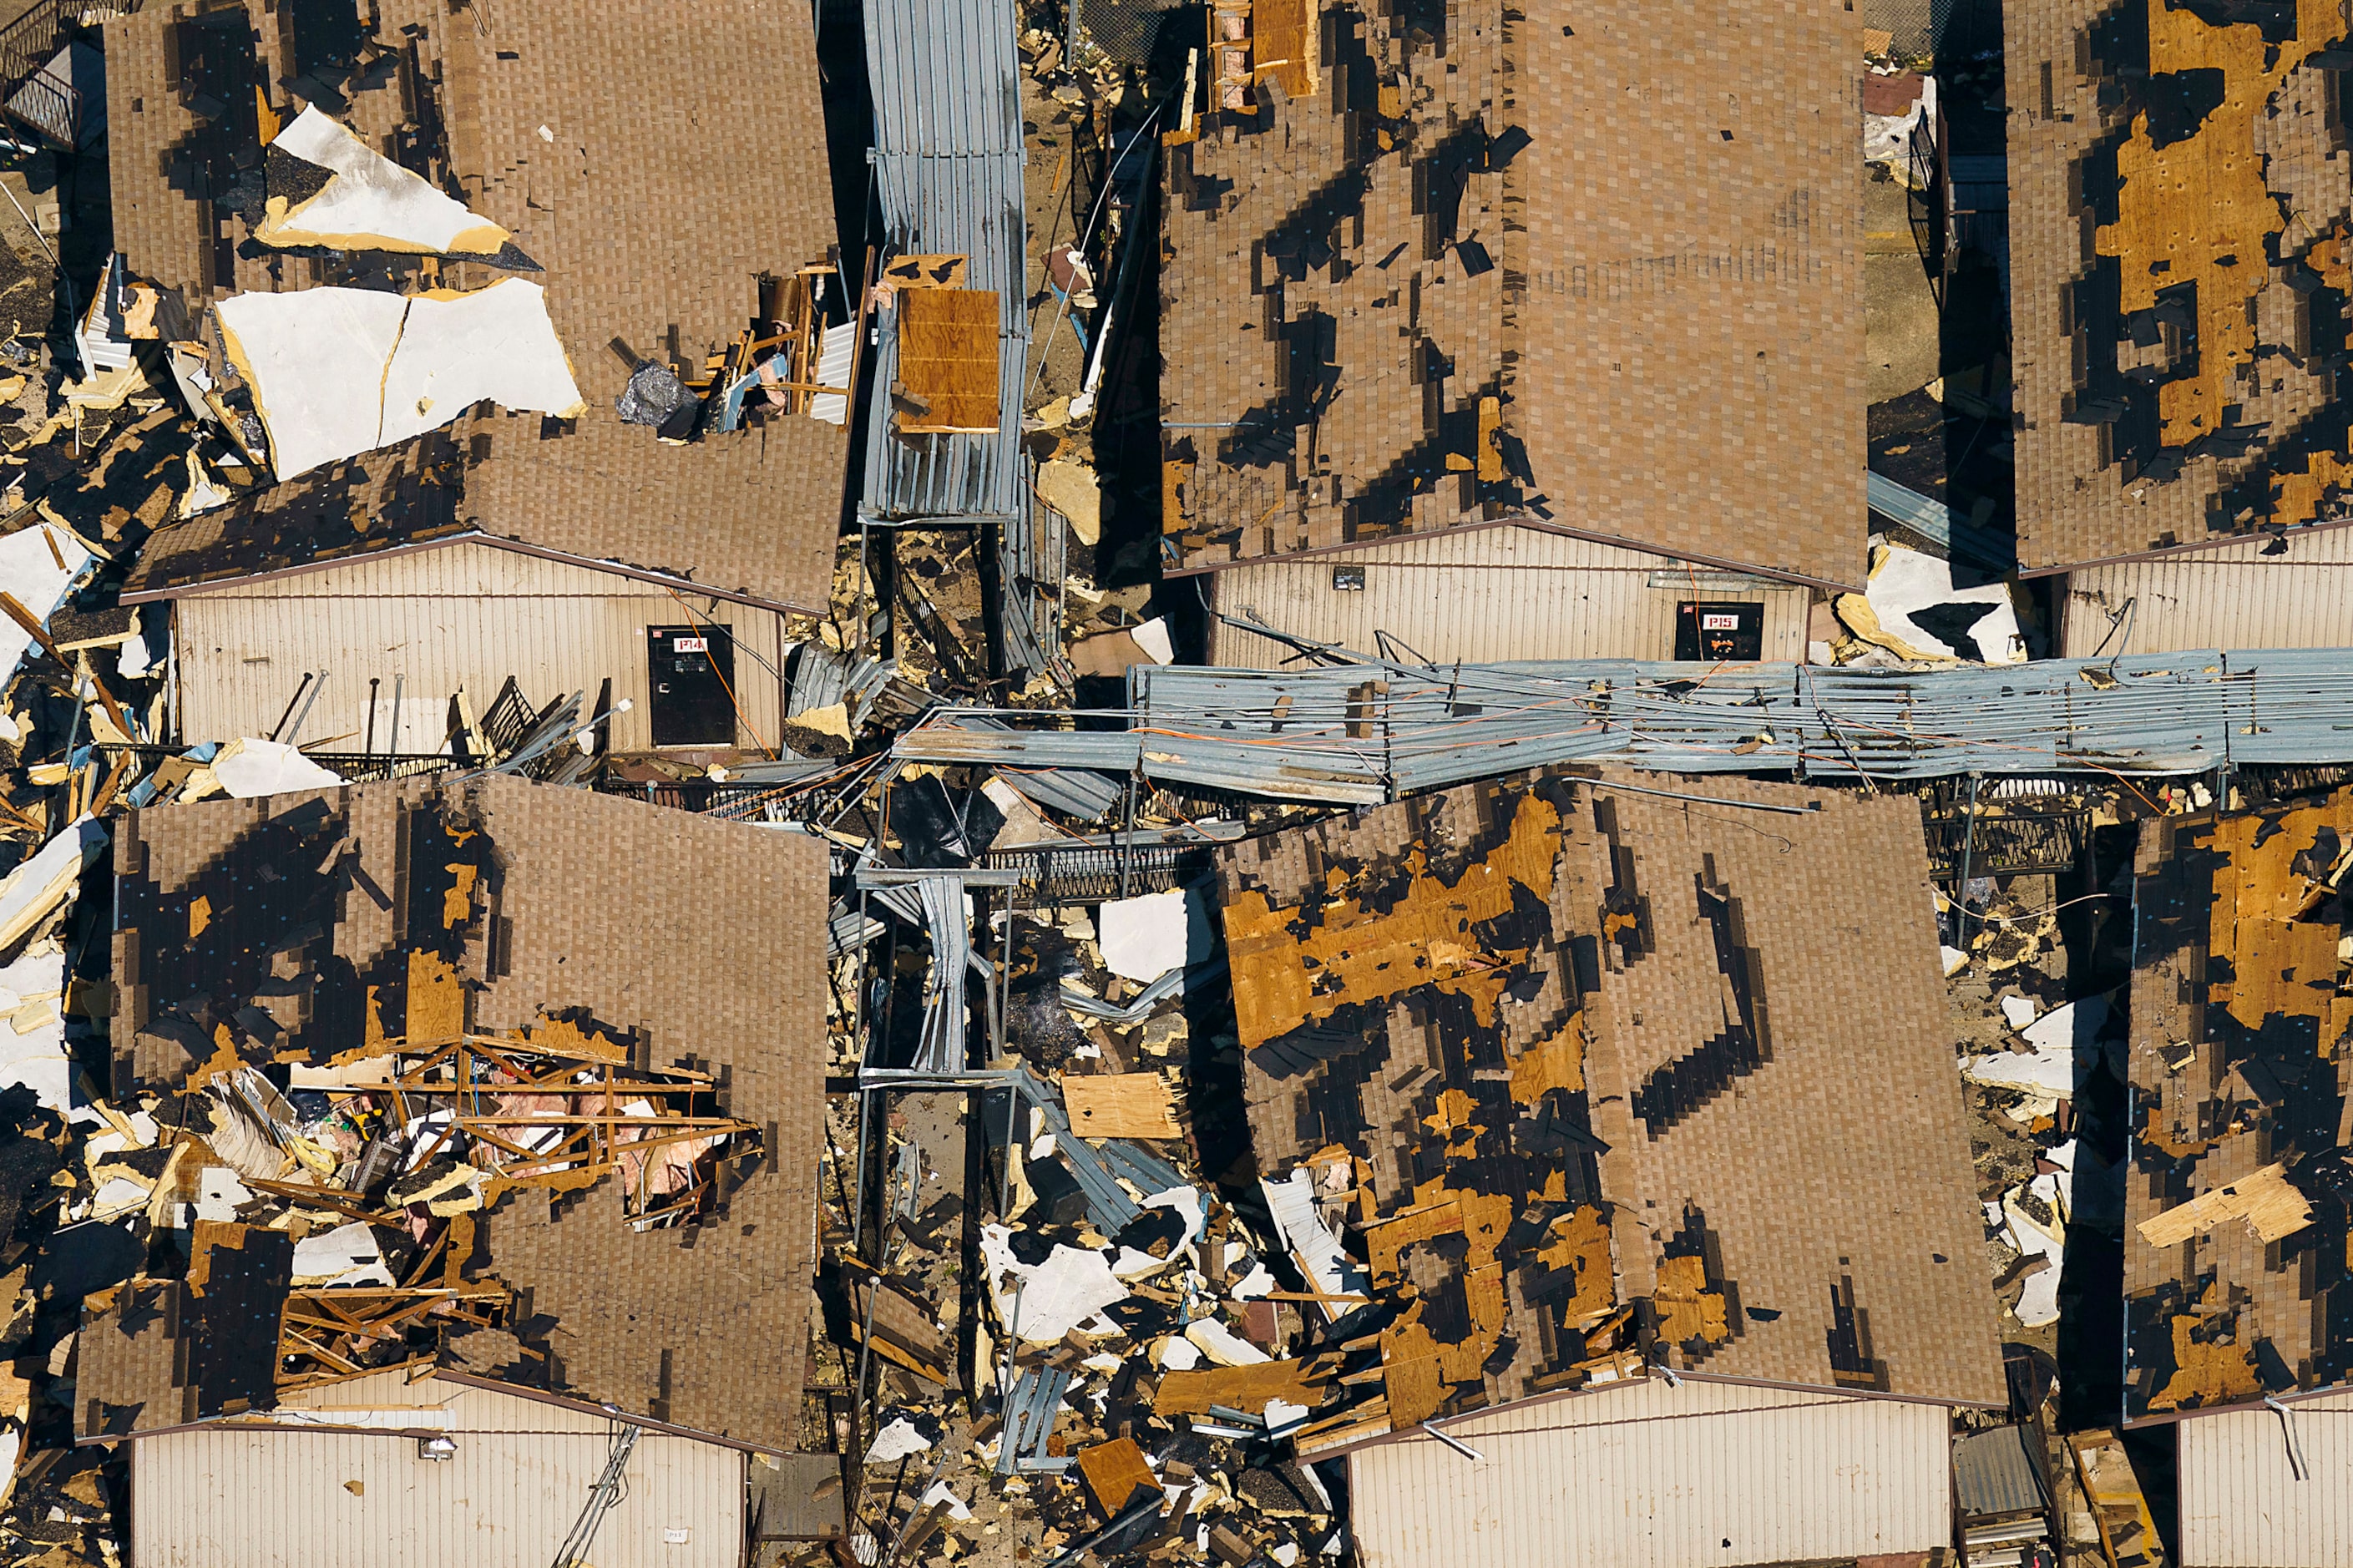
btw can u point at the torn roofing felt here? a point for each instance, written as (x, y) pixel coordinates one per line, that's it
(317, 928)
(2236, 1248)
(646, 233)
(2181, 261)
(1501, 267)
(1558, 1050)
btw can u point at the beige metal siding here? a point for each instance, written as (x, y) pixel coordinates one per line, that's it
(1650, 1476)
(230, 1496)
(1489, 594)
(2233, 597)
(2242, 1506)
(463, 614)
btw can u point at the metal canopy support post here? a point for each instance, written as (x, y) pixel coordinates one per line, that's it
(1961, 889)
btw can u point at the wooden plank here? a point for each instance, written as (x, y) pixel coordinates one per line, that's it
(1113, 1472)
(1119, 1105)
(39, 634)
(926, 273)
(2271, 1208)
(948, 360)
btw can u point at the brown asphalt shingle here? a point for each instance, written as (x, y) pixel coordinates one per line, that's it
(2100, 475)
(701, 939)
(1654, 268)
(684, 158)
(1464, 990)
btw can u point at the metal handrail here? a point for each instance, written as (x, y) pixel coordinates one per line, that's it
(46, 92)
(33, 39)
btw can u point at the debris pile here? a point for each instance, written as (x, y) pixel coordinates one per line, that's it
(613, 865)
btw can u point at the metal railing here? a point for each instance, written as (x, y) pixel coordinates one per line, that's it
(51, 108)
(32, 97)
(33, 39)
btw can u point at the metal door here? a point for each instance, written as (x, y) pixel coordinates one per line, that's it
(690, 673)
(1719, 632)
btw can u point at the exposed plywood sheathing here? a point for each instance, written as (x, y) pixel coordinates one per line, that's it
(1431, 285)
(1287, 35)
(2187, 205)
(1282, 980)
(1519, 1011)
(2180, 186)
(2236, 1201)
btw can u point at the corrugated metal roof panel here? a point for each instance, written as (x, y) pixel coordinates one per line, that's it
(1508, 593)
(1652, 1476)
(1371, 730)
(243, 1497)
(2237, 597)
(2242, 1504)
(1994, 1473)
(947, 162)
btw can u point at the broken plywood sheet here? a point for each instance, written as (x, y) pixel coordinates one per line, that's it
(1113, 1472)
(1192, 1392)
(2264, 1201)
(947, 360)
(1120, 1105)
(925, 272)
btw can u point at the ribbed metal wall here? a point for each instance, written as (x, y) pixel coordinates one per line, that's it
(463, 614)
(1490, 595)
(2232, 597)
(1650, 1476)
(2242, 1505)
(232, 1497)
(947, 161)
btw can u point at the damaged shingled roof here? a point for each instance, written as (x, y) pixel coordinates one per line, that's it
(561, 126)
(1503, 268)
(2181, 247)
(1554, 1048)
(2237, 1254)
(323, 931)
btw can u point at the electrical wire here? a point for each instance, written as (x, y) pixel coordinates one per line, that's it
(1110, 168)
(2032, 915)
(713, 660)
